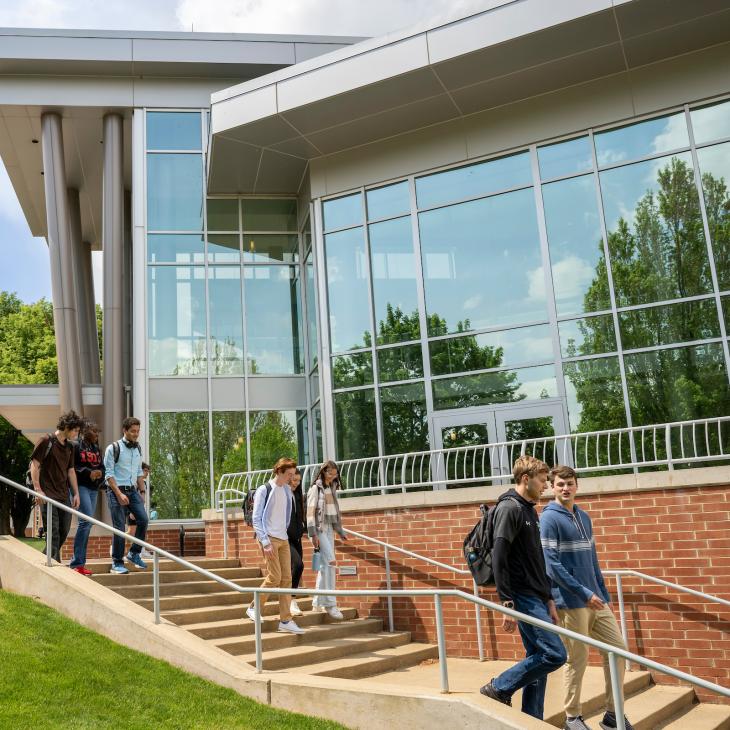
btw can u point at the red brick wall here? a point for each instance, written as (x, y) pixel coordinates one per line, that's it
(680, 535)
(169, 540)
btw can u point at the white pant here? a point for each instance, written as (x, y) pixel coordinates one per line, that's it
(327, 573)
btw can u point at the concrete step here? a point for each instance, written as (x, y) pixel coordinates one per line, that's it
(648, 708)
(367, 664)
(296, 656)
(182, 589)
(700, 717)
(144, 577)
(103, 565)
(228, 612)
(245, 627)
(314, 634)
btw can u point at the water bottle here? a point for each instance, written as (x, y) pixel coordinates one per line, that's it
(472, 556)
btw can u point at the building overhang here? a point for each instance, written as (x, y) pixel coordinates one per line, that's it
(264, 132)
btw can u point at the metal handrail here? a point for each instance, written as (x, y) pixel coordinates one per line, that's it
(612, 651)
(631, 448)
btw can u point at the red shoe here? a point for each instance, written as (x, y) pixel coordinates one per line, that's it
(83, 570)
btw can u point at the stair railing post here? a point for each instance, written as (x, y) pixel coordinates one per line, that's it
(618, 697)
(257, 631)
(49, 534)
(156, 585)
(622, 613)
(478, 615)
(441, 639)
(388, 585)
(225, 528)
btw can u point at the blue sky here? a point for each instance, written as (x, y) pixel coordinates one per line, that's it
(28, 274)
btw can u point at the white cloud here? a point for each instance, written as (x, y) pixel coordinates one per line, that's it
(473, 303)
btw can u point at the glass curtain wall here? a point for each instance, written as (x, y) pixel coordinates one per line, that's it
(630, 224)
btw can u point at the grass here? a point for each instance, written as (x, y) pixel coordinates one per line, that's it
(33, 542)
(58, 674)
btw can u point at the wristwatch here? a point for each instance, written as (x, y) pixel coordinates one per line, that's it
(508, 604)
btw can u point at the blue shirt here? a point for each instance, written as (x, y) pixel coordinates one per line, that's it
(127, 469)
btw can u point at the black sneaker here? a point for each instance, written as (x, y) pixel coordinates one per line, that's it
(489, 690)
(609, 722)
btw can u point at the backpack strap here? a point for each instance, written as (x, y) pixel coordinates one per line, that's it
(116, 451)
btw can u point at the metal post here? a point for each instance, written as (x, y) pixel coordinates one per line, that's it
(225, 528)
(257, 631)
(622, 614)
(478, 614)
(668, 446)
(156, 585)
(389, 587)
(618, 697)
(49, 534)
(441, 640)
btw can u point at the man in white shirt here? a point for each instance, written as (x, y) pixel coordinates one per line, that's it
(271, 514)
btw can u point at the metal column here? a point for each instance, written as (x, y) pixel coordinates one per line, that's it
(85, 302)
(112, 243)
(62, 262)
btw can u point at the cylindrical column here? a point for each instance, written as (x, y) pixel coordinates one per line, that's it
(62, 262)
(112, 243)
(85, 302)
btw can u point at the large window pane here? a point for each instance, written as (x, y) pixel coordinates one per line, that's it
(278, 215)
(311, 312)
(224, 248)
(642, 139)
(174, 192)
(491, 350)
(173, 131)
(711, 122)
(226, 327)
(394, 281)
(682, 322)
(405, 421)
(565, 158)
(176, 320)
(175, 248)
(347, 286)
(400, 363)
(272, 320)
(355, 425)
(655, 232)
(180, 480)
(715, 172)
(222, 214)
(229, 443)
(677, 385)
(349, 371)
(388, 201)
(577, 255)
(482, 264)
(589, 336)
(469, 182)
(506, 386)
(273, 435)
(270, 248)
(595, 397)
(342, 212)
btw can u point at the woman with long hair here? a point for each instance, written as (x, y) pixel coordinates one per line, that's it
(297, 527)
(323, 520)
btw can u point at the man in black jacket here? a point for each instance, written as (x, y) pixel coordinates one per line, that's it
(522, 584)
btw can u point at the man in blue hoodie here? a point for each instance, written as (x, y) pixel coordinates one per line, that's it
(579, 592)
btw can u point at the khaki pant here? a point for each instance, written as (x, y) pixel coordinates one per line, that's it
(600, 625)
(278, 575)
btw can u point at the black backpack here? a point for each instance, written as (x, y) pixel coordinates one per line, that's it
(478, 548)
(249, 500)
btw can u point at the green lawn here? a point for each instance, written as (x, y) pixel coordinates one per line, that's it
(34, 543)
(55, 673)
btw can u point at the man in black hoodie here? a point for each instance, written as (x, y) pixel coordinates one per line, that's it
(522, 584)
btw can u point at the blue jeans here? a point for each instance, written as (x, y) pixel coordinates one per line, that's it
(119, 521)
(87, 505)
(326, 576)
(545, 653)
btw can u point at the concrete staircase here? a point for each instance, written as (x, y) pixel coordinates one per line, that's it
(358, 647)
(352, 648)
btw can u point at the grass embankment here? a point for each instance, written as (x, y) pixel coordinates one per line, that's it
(56, 673)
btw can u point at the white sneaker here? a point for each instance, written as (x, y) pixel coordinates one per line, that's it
(290, 626)
(294, 608)
(251, 613)
(334, 612)
(148, 554)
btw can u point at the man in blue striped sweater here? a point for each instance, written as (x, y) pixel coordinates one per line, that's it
(579, 592)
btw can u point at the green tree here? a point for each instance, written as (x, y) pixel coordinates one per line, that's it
(15, 451)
